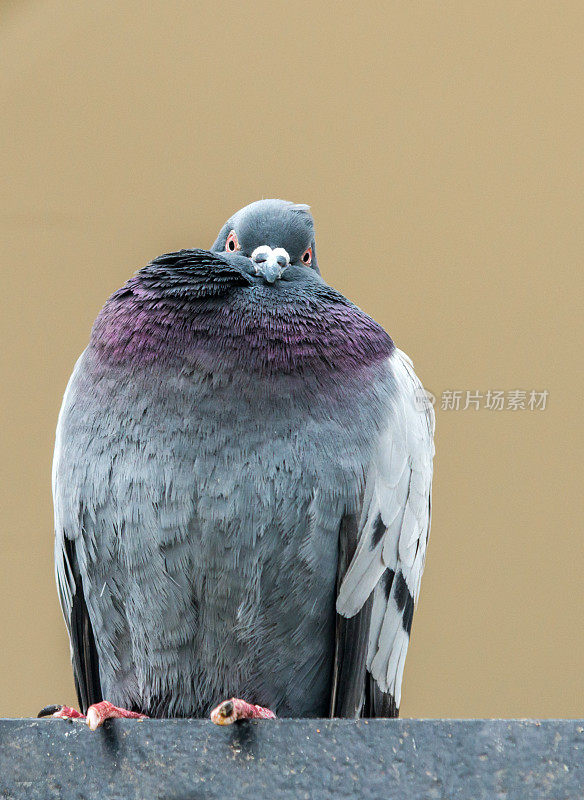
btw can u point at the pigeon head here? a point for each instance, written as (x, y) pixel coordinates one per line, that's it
(275, 235)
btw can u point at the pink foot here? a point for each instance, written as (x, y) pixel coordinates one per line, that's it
(96, 714)
(60, 712)
(230, 711)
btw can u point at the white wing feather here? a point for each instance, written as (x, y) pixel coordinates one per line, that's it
(394, 529)
(64, 577)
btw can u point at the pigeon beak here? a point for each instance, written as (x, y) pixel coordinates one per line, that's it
(271, 271)
(270, 263)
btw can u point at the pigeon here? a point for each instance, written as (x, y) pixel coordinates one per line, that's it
(241, 481)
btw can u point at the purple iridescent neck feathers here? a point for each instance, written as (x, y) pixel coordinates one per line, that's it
(197, 308)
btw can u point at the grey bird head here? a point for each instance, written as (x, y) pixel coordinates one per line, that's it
(273, 234)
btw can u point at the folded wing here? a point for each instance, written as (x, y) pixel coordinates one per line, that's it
(386, 569)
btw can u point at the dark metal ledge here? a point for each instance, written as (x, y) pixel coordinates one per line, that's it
(192, 759)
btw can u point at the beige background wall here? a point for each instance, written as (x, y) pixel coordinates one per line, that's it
(440, 146)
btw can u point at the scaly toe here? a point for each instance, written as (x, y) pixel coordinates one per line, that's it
(99, 712)
(230, 711)
(60, 712)
(224, 714)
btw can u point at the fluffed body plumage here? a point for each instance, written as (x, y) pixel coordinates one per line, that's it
(223, 447)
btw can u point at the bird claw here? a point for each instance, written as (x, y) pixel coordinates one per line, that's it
(235, 709)
(224, 713)
(96, 715)
(60, 712)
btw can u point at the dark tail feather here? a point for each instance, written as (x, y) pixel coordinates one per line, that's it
(378, 703)
(85, 658)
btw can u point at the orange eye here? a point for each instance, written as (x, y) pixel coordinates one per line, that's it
(307, 257)
(232, 244)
